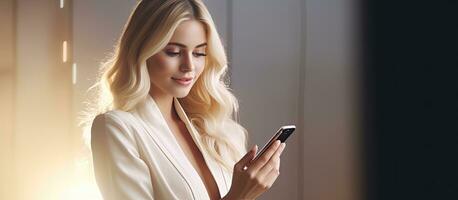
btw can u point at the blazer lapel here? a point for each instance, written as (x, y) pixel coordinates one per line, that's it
(215, 168)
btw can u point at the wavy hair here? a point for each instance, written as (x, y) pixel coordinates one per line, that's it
(210, 105)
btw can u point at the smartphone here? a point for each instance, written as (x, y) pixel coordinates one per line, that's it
(282, 134)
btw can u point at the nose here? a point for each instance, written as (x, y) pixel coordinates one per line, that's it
(187, 63)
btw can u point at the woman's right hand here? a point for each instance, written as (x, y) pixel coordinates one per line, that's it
(259, 174)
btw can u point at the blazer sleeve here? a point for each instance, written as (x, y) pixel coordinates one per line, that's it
(119, 171)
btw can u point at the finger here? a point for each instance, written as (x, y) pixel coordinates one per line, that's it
(246, 158)
(278, 164)
(273, 162)
(283, 148)
(265, 157)
(281, 152)
(271, 177)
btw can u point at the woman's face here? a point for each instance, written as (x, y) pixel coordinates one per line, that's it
(175, 69)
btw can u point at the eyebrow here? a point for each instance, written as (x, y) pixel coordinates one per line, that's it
(184, 46)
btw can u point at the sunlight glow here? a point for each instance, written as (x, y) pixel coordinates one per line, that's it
(64, 51)
(82, 184)
(81, 191)
(74, 73)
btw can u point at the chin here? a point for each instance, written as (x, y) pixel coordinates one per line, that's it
(181, 94)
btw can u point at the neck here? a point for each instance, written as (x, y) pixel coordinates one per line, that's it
(165, 104)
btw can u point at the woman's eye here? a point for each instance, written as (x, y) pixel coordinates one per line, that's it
(177, 53)
(172, 53)
(199, 54)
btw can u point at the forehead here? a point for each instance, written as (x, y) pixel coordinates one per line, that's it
(190, 33)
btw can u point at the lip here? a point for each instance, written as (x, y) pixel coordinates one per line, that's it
(183, 78)
(183, 81)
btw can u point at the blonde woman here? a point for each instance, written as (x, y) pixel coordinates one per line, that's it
(164, 127)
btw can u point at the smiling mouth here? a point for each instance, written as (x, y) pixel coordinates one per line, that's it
(183, 81)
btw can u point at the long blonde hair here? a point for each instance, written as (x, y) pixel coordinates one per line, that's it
(211, 107)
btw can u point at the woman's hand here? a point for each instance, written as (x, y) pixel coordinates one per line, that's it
(258, 176)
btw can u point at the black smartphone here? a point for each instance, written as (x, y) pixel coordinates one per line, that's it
(282, 134)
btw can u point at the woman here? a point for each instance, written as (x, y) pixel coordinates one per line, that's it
(164, 128)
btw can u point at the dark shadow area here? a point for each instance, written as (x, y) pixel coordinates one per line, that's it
(410, 75)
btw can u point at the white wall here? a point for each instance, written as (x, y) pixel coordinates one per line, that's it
(330, 110)
(266, 53)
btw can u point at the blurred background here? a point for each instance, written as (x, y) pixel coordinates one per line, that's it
(371, 85)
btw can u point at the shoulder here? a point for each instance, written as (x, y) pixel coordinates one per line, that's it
(113, 116)
(112, 121)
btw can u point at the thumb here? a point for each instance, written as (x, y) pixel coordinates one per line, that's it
(247, 158)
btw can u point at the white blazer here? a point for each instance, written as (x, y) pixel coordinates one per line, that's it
(137, 157)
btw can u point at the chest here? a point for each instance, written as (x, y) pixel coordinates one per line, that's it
(195, 157)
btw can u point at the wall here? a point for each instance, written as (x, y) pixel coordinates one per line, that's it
(330, 100)
(42, 111)
(7, 76)
(266, 52)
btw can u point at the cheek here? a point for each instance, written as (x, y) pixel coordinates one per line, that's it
(160, 66)
(200, 66)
